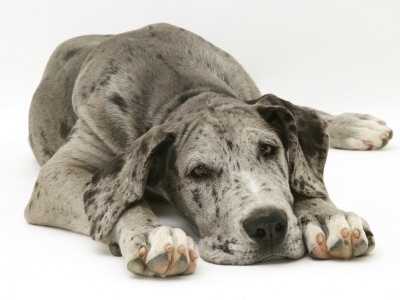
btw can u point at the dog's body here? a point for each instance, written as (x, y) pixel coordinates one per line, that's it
(161, 109)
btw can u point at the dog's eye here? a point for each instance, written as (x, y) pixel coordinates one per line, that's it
(200, 171)
(267, 150)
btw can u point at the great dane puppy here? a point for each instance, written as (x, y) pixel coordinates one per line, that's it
(160, 110)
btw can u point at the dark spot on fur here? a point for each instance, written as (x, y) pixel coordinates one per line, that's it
(143, 147)
(70, 54)
(114, 69)
(302, 184)
(47, 152)
(196, 197)
(109, 200)
(224, 247)
(89, 194)
(92, 88)
(64, 129)
(105, 80)
(304, 221)
(214, 192)
(281, 170)
(43, 136)
(229, 143)
(96, 177)
(169, 66)
(117, 100)
(152, 33)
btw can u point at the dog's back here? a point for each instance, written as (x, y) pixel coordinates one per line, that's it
(139, 72)
(51, 115)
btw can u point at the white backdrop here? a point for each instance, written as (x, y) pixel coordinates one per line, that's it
(336, 56)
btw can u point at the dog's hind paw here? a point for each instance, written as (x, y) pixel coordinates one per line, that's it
(358, 132)
(342, 235)
(166, 252)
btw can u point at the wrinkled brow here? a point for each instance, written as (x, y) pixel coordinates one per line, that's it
(195, 159)
(263, 136)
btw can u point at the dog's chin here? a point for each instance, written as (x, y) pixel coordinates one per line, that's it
(230, 251)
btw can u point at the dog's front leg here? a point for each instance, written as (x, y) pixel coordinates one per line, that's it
(332, 233)
(150, 248)
(119, 215)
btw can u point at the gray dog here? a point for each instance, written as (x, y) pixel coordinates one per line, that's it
(160, 111)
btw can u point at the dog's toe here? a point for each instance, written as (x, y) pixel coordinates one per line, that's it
(358, 132)
(167, 252)
(339, 236)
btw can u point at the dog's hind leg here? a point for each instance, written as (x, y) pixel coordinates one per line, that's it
(57, 196)
(51, 114)
(357, 131)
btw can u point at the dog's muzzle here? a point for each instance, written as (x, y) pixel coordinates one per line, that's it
(267, 227)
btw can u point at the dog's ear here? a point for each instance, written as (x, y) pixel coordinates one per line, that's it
(303, 133)
(122, 183)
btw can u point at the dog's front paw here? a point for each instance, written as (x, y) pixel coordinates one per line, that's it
(163, 252)
(358, 132)
(341, 235)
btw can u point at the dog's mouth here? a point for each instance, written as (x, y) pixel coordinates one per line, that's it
(232, 251)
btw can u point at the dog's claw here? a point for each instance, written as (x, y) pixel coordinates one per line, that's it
(181, 249)
(193, 255)
(169, 248)
(320, 239)
(142, 251)
(345, 233)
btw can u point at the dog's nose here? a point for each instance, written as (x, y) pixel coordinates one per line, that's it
(266, 227)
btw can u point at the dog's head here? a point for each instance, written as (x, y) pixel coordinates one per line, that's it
(232, 169)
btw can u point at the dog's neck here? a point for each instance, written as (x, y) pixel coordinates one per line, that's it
(193, 100)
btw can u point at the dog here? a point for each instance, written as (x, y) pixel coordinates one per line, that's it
(161, 111)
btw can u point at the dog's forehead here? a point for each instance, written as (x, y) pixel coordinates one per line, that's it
(222, 131)
(219, 124)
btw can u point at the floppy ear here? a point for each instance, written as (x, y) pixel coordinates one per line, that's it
(123, 181)
(304, 136)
